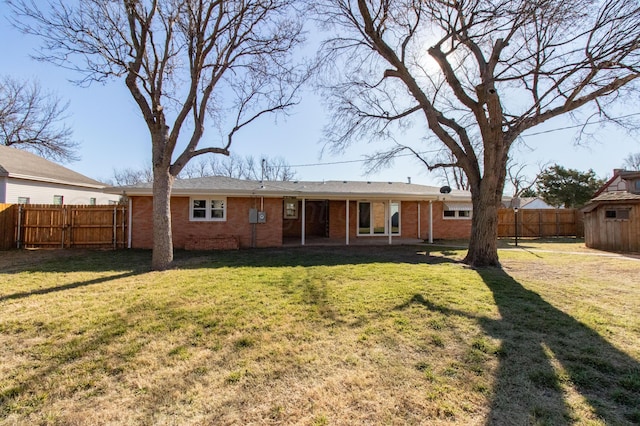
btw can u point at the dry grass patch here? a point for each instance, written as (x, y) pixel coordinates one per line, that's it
(312, 336)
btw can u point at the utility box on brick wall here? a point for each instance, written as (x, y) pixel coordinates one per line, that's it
(256, 216)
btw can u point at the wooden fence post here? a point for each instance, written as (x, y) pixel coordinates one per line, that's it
(19, 242)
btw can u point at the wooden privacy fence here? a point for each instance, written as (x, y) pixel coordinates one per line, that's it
(8, 226)
(541, 223)
(53, 226)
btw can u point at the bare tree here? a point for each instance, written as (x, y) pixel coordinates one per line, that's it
(32, 119)
(477, 73)
(520, 182)
(453, 176)
(131, 176)
(275, 169)
(195, 169)
(632, 161)
(182, 61)
(241, 168)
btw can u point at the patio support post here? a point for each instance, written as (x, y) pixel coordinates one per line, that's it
(347, 222)
(418, 219)
(304, 219)
(430, 221)
(130, 213)
(390, 222)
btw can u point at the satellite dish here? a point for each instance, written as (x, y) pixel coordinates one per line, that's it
(445, 189)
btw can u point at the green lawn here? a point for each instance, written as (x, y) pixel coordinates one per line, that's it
(320, 336)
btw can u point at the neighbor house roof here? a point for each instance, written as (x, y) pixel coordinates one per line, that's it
(618, 174)
(326, 189)
(19, 164)
(528, 202)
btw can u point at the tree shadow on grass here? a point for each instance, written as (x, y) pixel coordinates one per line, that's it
(545, 352)
(70, 286)
(74, 260)
(307, 256)
(120, 264)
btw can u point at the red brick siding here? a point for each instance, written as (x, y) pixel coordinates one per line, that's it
(237, 225)
(141, 222)
(337, 219)
(270, 234)
(222, 242)
(409, 220)
(445, 229)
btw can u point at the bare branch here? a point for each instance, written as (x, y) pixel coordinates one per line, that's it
(182, 62)
(500, 68)
(32, 119)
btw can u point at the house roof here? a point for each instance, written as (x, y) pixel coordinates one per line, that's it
(525, 201)
(629, 174)
(618, 173)
(326, 190)
(19, 164)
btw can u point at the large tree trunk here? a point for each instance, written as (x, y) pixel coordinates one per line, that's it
(483, 244)
(162, 234)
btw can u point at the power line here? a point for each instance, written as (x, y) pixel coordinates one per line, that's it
(333, 163)
(578, 125)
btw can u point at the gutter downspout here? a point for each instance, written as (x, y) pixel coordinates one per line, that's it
(347, 222)
(430, 221)
(390, 221)
(304, 219)
(419, 233)
(130, 223)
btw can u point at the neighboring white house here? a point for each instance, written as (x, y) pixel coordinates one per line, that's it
(26, 178)
(534, 203)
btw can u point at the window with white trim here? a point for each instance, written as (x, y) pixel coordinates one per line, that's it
(290, 208)
(208, 209)
(23, 200)
(58, 200)
(373, 218)
(457, 211)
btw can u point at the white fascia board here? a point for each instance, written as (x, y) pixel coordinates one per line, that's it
(57, 181)
(280, 194)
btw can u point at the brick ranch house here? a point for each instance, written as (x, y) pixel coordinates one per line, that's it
(223, 213)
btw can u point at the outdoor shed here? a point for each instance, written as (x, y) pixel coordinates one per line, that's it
(223, 213)
(612, 222)
(612, 217)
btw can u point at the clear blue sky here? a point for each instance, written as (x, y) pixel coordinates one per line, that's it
(112, 134)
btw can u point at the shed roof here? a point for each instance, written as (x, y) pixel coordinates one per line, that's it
(611, 197)
(617, 196)
(326, 189)
(20, 164)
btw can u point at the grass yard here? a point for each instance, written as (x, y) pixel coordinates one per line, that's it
(320, 336)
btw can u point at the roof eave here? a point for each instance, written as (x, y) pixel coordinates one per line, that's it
(56, 181)
(294, 193)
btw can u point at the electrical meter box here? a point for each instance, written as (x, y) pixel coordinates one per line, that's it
(256, 216)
